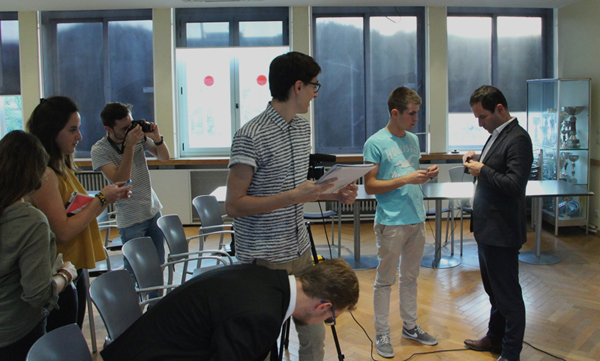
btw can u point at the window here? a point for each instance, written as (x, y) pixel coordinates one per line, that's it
(11, 110)
(98, 57)
(222, 61)
(364, 53)
(503, 48)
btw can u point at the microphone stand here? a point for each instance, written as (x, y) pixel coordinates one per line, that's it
(316, 260)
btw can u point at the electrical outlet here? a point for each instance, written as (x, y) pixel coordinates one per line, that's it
(597, 213)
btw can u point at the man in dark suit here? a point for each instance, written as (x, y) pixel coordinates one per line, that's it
(498, 220)
(235, 313)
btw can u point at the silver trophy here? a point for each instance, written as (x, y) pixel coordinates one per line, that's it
(570, 130)
(573, 158)
(564, 156)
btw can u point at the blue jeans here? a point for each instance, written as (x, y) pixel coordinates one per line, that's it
(147, 228)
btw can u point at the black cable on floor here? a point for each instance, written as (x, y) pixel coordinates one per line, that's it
(442, 351)
(366, 334)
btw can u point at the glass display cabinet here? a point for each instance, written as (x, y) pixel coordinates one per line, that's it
(558, 121)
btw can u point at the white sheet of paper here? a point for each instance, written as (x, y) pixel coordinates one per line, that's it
(345, 174)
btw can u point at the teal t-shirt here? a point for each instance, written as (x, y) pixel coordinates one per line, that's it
(396, 157)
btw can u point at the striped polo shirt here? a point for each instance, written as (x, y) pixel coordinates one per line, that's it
(143, 204)
(279, 153)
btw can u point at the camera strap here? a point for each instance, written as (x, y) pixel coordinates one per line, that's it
(115, 145)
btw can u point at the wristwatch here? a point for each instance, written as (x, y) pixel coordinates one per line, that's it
(162, 140)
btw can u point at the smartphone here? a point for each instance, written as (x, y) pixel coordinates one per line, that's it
(467, 161)
(126, 184)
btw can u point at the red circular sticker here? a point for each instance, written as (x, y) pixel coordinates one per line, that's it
(209, 80)
(261, 80)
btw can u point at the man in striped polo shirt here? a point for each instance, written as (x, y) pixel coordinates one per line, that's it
(121, 157)
(267, 185)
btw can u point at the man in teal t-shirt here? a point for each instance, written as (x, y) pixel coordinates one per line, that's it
(400, 217)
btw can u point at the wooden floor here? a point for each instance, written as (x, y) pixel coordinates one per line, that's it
(562, 300)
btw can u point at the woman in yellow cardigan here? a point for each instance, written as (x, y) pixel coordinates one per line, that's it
(56, 122)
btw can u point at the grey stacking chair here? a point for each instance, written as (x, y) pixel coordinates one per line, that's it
(148, 272)
(173, 231)
(117, 301)
(457, 174)
(62, 344)
(209, 211)
(143, 258)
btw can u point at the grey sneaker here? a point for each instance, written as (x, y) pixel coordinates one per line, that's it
(384, 346)
(418, 334)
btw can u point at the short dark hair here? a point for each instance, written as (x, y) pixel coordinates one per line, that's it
(285, 70)
(22, 165)
(46, 121)
(400, 98)
(489, 97)
(113, 112)
(332, 280)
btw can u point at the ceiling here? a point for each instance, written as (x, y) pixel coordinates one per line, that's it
(32, 5)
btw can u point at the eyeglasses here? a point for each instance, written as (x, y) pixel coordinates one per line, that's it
(331, 320)
(317, 85)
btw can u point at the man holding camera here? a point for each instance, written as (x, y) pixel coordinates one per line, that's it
(121, 157)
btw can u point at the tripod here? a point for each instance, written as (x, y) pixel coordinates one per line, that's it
(316, 260)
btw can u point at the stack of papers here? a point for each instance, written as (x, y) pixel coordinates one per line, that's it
(345, 174)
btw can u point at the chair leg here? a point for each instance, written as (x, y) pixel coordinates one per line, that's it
(201, 240)
(91, 322)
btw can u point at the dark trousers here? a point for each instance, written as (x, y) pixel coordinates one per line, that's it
(500, 275)
(17, 351)
(71, 305)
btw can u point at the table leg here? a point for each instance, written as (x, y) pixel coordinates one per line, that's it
(538, 257)
(356, 262)
(436, 260)
(339, 220)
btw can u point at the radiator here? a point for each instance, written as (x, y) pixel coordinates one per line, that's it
(93, 181)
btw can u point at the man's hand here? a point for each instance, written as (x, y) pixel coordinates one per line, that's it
(474, 167)
(309, 191)
(470, 156)
(154, 134)
(433, 171)
(417, 177)
(134, 136)
(347, 195)
(470, 162)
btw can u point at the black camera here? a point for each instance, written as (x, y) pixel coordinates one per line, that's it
(315, 165)
(145, 125)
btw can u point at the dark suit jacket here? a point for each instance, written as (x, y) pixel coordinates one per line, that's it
(231, 313)
(499, 210)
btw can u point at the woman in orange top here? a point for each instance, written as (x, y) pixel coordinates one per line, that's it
(56, 122)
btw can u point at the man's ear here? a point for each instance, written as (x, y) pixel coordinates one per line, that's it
(298, 86)
(109, 129)
(500, 109)
(324, 306)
